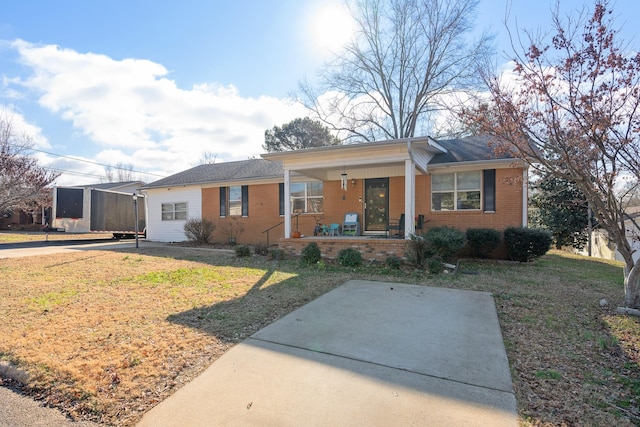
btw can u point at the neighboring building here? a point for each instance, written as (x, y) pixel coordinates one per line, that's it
(603, 247)
(456, 182)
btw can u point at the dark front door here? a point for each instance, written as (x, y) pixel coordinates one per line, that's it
(376, 208)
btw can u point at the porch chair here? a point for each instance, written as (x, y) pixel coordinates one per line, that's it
(419, 224)
(351, 225)
(334, 229)
(397, 226)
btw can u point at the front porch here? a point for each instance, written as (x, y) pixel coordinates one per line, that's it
(374, 248)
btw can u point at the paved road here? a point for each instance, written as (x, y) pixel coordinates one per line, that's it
(17, 410)
(37, 248)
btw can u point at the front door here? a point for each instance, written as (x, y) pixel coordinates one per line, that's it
(376, 205)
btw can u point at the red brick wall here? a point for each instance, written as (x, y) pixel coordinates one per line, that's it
(371, 249)
(264, 213)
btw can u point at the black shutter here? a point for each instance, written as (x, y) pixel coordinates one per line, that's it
(281, 198)
(223, 201)
(489, 190)
(245, 200)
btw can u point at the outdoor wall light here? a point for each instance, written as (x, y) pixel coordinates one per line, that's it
(353, 182)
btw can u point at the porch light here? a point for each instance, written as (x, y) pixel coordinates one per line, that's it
(343, 181)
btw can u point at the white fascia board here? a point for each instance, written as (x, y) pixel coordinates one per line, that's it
(477, 164)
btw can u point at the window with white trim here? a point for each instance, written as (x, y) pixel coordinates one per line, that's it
(235, 200)
(456, 191)
(306, 197)
(174, 211)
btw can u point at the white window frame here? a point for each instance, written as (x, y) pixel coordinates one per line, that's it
(306, 198)
(456, 192)
(175, 211)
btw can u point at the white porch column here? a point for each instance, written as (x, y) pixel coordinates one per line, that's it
(287, 203)
(409, 198)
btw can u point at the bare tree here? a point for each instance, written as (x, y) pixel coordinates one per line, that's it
(208, 158)
(574, 112)
(23, 183)
(407, 58)
(108, 174)
(124, 172)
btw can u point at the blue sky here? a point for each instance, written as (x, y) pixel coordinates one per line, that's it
(157, 83)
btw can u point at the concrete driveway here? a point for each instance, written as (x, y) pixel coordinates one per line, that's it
(366, 353)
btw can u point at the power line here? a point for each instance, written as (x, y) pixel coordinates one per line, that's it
(93, 163)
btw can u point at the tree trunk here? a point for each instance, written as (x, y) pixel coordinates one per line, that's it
(632, 286)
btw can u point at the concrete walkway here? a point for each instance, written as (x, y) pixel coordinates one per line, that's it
(366, 353)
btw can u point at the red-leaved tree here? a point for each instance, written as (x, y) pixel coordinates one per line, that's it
(573, 110)
(23, 183)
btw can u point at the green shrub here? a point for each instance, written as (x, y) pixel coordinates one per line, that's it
(393, 262)
(199, 230)
(483, 241)
(434, 265)
(261, 249)
(276, 254)
(526, 244)
(349, 257)
(443, 242)
(310, 254)
(243, 251)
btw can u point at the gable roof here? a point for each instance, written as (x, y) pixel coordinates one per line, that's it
(468, 149)
(222, 172)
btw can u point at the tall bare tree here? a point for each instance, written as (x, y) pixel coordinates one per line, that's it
(574, 112)
(23, 183)
(408, 56)
(124, 172)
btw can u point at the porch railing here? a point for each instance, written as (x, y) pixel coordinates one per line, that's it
(279, 224)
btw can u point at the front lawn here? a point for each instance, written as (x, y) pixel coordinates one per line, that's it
(105, 335)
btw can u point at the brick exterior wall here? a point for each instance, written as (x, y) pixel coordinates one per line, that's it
(371, 249)
(264, 211)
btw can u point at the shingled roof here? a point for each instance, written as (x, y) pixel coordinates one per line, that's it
(469, 149)
(222, 172)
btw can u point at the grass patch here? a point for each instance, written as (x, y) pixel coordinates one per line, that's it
(106, 335)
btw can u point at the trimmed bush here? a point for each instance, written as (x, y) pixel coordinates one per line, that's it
(261, 249)
(311, 254)
(199, 230)
(243, 251)
(349, 257)
(482, 241)
(434, 265)
(276, 254)
(393, 262)
(443, 242)
(526, 244)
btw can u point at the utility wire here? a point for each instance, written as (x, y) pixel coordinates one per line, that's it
(92, 162)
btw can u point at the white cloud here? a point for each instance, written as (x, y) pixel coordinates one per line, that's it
(136, 114)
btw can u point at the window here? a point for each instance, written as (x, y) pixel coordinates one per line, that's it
(306, 197)
(234, 201)
(174, 211)
(456, 191)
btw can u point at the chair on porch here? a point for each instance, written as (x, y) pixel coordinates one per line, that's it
(419, 223)
(397, 226)
(351, 225)
(334, 229)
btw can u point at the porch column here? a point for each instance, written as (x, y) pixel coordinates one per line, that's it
(287, 203)
(409, 198)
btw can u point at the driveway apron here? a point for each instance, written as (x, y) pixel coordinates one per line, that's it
(366, 353)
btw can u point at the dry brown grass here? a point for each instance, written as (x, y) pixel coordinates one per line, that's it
(106, 335)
